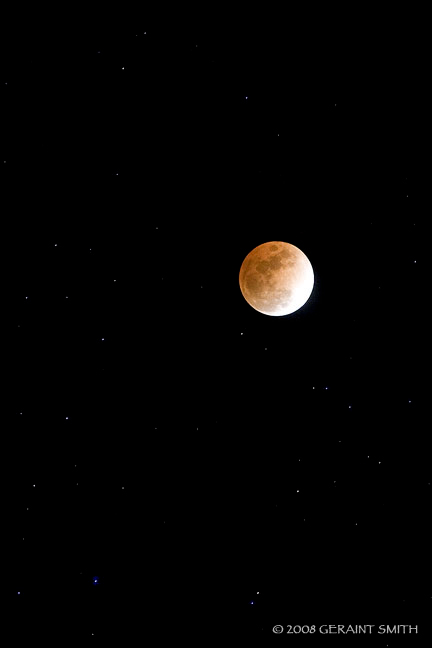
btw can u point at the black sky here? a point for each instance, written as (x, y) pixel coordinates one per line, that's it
(168, 439)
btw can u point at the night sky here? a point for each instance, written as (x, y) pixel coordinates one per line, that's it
(177, 460)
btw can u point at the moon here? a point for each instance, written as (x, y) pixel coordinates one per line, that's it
(276, 278)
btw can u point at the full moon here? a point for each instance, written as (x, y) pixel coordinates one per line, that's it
(276, 278)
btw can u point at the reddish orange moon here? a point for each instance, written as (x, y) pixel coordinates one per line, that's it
(276, 278)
